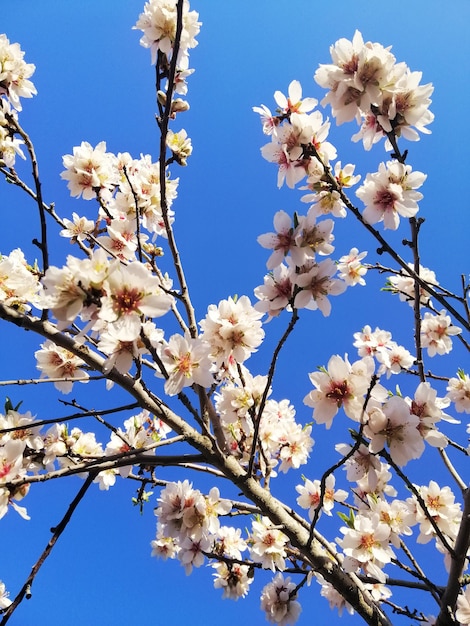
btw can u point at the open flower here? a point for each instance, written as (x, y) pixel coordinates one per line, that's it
(187, 362)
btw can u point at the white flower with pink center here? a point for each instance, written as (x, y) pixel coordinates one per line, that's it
(368, 540)
(394, 426)
(311, 497)
(268, 545)
(233, 330)
(316, 283)
(342, 385)
(391, 193)
(58, 363)
(278, 601)
(436, 333)
(187, 361)
(458, 392)
(132, 292)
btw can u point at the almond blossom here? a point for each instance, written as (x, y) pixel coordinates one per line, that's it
(341, 385)
(316, 282)
(15, 73)
(278, 600)
(390, 193)
(436, 333)
(132, 291)
(276, 293)
(367, 544)
(440, 506)
(366, 83)
(268, 545)
(350, 268)
(58, 363)
(311, 497)
(89, 171)
(393, 425)
(404, 285)
(234, 579)
(78, 228)
(233, 330)
(19, 282)
(187, 361)
(458, 392)
(158, 23)
(281, 242)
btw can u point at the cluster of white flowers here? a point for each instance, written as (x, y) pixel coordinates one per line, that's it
(117, 181)
(312, 498)
(391, 192)
(158, 23)
(304, 282)
(402, 425)
(378, 524)
(404, 285)
(189, 528)
(233, 331)
(283, 441)
(26, 450)
(14, 84)
(342, 385)
(436, 333)
(14, 73)
(19, 282)
(392, 357)
(367, 84)
(278, 600)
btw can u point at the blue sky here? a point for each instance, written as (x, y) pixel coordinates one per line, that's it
(96, 83)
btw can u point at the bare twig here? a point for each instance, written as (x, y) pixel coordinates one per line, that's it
(56, 532)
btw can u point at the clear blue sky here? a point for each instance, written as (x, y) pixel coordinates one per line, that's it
(96, 83)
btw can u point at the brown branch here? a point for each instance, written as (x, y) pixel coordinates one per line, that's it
(457, 565)
(57, 531)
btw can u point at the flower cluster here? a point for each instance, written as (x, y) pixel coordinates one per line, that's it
(367, 84)
(404, 285)
(436, 333)
(189, 528)
(313, 496)
(14, 73)
(118, 182)
(158, 23)
(26, 450)
(392, 357)
(19, 282)
(278, 601)
(282, 440)
(233, 331)
(402, 425)
(342, 385)
(390, 193)
(304, 282)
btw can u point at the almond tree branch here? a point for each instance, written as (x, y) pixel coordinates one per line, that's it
(347, 585)
(457, 566)
(56, 532)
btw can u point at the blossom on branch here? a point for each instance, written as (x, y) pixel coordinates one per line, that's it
(158, 23)
(233, 331)
(278, 600)
(15, 73)
(390, 193)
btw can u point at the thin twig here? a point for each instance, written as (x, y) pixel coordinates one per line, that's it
(57, 531)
